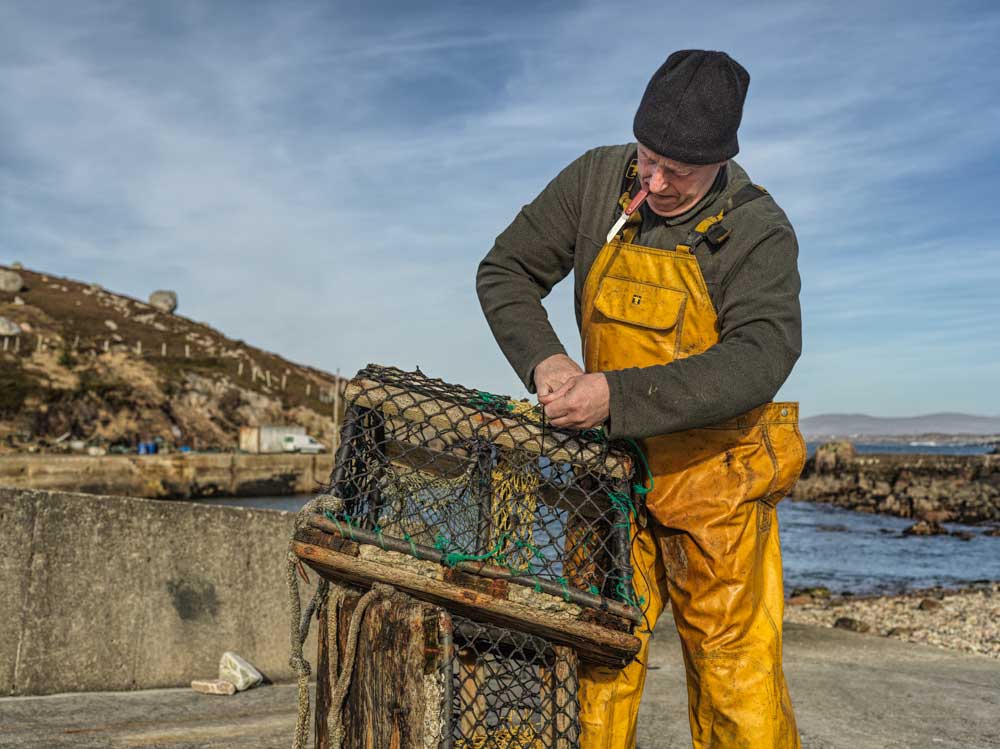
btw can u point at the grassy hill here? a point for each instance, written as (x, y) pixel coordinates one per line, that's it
(108, 369)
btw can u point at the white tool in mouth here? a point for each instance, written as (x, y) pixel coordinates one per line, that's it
(638, 200)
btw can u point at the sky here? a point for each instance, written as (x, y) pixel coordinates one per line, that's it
(321, 179)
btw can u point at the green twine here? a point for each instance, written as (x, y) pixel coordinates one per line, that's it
(413, 547)
(340, 528)
(483, 400)
(455, 557)
(641, 489)
(564, 583)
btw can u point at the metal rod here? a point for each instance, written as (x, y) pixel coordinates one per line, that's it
(348, 433)
(481, 569)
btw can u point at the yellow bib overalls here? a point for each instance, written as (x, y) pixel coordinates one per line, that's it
(710, 545)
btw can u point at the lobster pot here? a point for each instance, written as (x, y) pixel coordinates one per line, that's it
(424, 677)
(511, 690)
(480, 483)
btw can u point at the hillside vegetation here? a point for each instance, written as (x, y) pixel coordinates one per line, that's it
(92, 365)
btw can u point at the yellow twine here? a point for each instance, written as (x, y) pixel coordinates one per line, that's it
(524, 736)
(514, 506)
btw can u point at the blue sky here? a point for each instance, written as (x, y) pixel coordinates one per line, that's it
(321, 179)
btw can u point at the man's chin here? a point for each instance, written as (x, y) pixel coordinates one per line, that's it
(663, 208)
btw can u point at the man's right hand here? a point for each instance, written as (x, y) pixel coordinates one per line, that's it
(554, 372)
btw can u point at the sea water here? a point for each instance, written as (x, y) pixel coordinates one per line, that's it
(846, 551)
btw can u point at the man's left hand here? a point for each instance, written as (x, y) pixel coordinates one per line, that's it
(581, 403)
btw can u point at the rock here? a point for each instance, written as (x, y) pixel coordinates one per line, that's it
(963, 535)
(925, 528)
(993, 532)
(111, 324)
(831, 455)
(213, 686)
(95, 452)
(929, 604)
(9, 327)
(10, 281)
(937, 516)
(833, 528)
(17, 266)
(165, 301)
(234, 669)
(800, 600)
(818, 591)
(900, 631)
(18, 302)
(854, 625)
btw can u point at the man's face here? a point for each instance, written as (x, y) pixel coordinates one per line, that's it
(673, 187)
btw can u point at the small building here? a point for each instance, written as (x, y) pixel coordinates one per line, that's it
(267, 439)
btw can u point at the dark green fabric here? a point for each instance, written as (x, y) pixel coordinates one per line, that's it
(753, 281)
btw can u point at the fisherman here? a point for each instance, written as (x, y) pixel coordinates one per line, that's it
(690, 322)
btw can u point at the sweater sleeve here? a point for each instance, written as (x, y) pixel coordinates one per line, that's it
(529, 257)
(760, 340)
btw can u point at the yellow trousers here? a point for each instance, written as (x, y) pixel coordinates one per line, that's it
(719, 565)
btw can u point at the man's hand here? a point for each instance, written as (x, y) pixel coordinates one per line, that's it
(581, 403)
(554, 372)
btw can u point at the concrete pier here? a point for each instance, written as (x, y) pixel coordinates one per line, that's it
(173, 476)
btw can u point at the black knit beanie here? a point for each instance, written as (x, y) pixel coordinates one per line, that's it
(693, 106)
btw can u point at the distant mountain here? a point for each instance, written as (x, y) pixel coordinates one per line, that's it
(847, 425)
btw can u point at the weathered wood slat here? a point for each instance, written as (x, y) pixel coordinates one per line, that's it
(470, 422)
(564, 687)
(401, 659)
(592, 642)
(480, 569)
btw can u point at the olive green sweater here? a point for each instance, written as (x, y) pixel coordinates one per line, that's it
(752, 279)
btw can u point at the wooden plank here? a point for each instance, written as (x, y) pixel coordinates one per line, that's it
(594, 643)
(469, 422)
(564, 698)
(400, 643)
(471, 683)
(480, 569)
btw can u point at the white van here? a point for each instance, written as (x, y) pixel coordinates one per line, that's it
(301, 443)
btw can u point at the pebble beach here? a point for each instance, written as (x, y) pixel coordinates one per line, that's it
(966, 620)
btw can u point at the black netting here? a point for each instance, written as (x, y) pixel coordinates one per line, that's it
(511, 690)
(478, 481)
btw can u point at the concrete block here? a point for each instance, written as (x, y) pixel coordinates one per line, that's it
(214, 686)
(112, 593)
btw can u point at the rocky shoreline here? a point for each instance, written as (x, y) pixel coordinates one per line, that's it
(966, 619)
(933, 488)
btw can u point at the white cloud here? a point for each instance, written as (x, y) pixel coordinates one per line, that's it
(324, 184)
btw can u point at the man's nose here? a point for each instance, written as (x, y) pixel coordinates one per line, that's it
(658, 181)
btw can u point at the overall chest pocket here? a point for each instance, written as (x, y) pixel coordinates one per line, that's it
(635, 324)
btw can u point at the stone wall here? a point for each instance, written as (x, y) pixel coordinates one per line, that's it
(173, 476)
(112, 593)
(960, 488)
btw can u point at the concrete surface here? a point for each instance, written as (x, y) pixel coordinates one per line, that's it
(173, 476)
(851, 691)
(101, 593)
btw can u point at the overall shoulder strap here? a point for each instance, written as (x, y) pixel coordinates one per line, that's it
(711, 229)
(629, 187)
